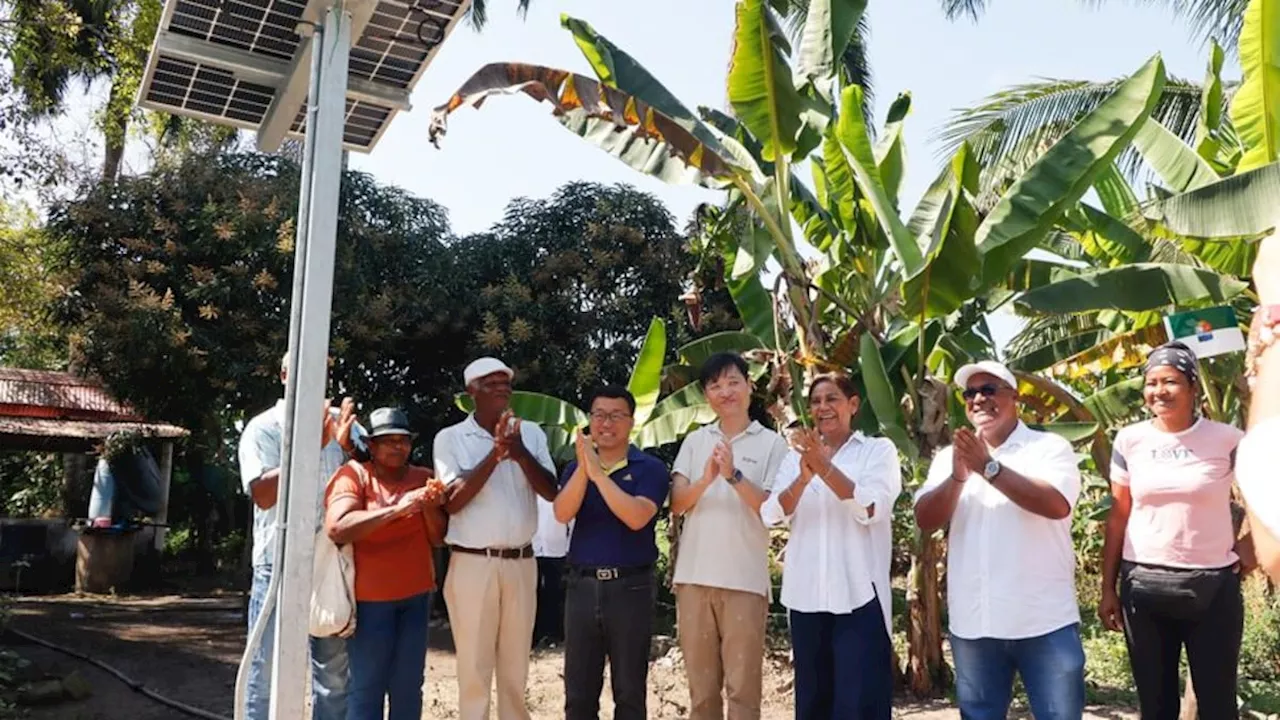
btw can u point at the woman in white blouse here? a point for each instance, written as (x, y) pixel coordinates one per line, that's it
(837, 489)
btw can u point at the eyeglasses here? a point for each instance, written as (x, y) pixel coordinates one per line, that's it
(603, 417)
(988, 390)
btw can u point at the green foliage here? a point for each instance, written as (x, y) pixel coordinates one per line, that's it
(27, 339)
(31, 484)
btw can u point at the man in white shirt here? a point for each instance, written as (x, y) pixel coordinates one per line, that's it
(1007, 493)
(494, 466)
(260, 456)
(721, 477)
(550, 545)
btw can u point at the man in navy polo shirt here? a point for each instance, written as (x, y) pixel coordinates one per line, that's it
(612, 491)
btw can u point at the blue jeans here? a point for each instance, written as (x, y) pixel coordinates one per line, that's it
(328, 664)
(388, 658)
(842, 665)
(1051, 666)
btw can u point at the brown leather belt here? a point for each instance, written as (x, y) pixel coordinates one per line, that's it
(504, 553)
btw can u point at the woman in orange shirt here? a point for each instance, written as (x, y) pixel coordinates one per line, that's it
(391, 512)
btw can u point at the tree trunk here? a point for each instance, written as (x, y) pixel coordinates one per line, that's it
(115, 130)
(927, 674)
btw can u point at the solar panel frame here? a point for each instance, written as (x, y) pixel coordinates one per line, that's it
(216, 60)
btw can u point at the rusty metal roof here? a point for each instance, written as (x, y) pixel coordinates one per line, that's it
(40, 408)
(41, 393)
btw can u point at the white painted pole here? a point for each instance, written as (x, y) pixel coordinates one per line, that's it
(166, 478)
(291, 664)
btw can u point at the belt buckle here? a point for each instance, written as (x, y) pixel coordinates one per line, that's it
(606, 573)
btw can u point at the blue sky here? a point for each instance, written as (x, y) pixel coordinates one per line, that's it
(513, 148)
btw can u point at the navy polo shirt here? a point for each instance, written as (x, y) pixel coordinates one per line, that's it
(600, 539)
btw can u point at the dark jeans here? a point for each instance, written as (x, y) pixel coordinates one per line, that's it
(388, 658)
(842, 665)
(1051, 666)
(614, 619)
(1156, 635)
(548, 622)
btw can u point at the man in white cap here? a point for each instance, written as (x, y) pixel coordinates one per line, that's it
(495, 467)
(1007, 492)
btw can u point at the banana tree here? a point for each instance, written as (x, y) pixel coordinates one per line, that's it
(899, 298)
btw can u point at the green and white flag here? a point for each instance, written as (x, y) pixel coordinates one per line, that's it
(1208, 332)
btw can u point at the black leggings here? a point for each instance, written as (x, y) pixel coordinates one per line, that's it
(1156, 629)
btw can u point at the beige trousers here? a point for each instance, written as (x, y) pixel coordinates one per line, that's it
(491, 610)
(722, 638)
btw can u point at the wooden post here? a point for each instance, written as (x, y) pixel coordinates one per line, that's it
(166, 474)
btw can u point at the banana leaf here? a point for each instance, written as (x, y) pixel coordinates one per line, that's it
(1255, 108)
(646, 375)
(1055, 352)
(671, 427)
(1209, 121)
(686, 397)
(624, 125)
(891, 149)
(881, 396)
(697, 352)
(545, 410)
(829, 27)
(851, 131)
(1062, 175)
(1118, 404)
(1143, 286)
(760, 87)
(946, 219)
(1177, 163)
(1076, 432)
(1242, 205)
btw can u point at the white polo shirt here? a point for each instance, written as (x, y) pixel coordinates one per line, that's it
(504, 514)
(1010, 572)
(552, 538)
(837, 557)
(723, 542)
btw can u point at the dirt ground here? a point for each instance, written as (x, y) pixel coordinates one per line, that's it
(187, 649)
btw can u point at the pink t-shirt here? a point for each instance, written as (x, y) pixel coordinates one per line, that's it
(1181, 489)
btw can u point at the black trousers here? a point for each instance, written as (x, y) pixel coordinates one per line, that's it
(548, 621)
(613, 619)
(1157, 625)
(842, 666)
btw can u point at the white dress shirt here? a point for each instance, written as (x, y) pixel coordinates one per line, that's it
(1010, 572)
(1256, 474)
(503, 514)
(552, 538)
(837, 557)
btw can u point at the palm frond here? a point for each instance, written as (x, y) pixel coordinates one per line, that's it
(478, 15)
(1009, 130)
(1220, 20)
(1040, 330)
(972, 9)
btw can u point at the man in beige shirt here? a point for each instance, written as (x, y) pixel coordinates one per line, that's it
(721, 477)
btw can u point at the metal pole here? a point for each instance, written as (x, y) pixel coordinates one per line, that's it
(300, 246)
(291, 665)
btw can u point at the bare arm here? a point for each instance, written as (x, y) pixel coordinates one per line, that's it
(935, 508)
(685, 494)
(540, 479)
(1113, 541)
(437, 524)
(463, 490)
(265, 490)
(634, 512)
(1034, 496)
(569, 500)
(790, 498)
(345, 523)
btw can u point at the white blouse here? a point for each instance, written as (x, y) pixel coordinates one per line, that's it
(837, 558)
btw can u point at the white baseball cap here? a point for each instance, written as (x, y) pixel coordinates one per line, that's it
(990, 367)
(482, 367)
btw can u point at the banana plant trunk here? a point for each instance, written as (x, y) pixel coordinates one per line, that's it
(927, 673)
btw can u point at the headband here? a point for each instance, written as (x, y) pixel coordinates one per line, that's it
(1177, 356)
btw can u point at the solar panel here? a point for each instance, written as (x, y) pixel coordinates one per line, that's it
(244, 63)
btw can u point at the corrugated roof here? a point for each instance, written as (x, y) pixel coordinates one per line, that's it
(83, 429)
(45, 394)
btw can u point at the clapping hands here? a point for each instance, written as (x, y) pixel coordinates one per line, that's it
(969, 454)
(507, 440)
(815, 456)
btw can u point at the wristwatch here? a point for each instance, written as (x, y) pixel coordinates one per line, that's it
(735, 478)
(991, 469)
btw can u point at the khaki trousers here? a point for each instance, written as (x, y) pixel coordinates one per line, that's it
(491, 602)
(722, 638)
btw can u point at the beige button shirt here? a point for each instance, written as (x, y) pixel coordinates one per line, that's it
(724, 543)
(504, 514)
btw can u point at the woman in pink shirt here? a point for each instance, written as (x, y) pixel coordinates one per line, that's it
(1170, 544)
